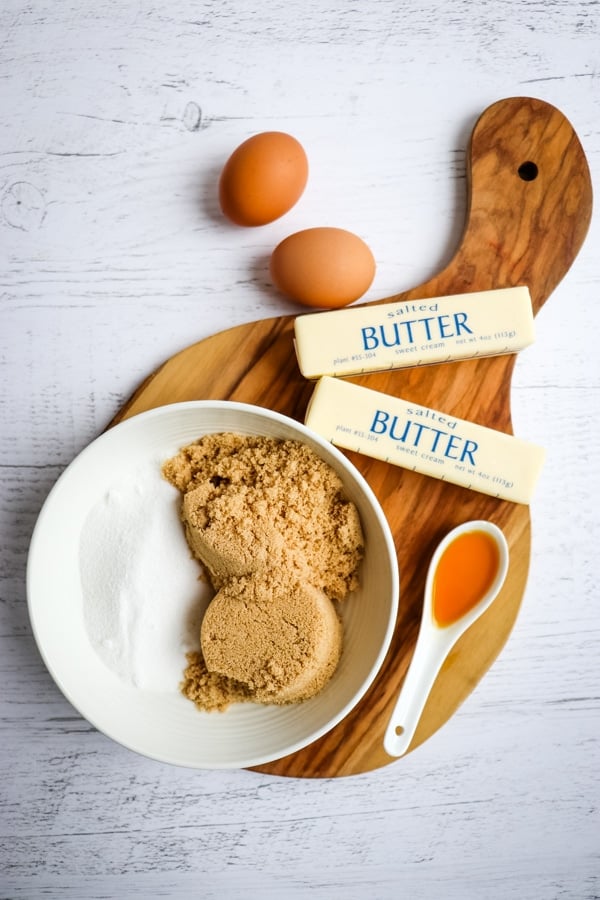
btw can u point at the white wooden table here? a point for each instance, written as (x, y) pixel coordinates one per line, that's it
(116, 117)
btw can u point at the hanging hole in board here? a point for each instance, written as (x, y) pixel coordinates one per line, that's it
(528, 171)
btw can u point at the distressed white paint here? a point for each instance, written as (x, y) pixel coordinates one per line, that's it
(116, 116)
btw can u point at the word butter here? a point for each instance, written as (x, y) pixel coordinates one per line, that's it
(416, 437)
(416, 333)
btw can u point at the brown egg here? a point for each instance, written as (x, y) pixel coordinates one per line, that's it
(323, 267)
(263, 178)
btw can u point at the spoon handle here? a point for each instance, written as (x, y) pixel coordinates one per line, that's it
(425, 664)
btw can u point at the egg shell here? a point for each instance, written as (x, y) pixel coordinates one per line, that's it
(323, 267)
(263, 178)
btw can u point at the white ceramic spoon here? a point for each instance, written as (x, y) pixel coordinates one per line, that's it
(435, 641)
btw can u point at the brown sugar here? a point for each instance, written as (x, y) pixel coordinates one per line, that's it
(209, 690)
(269, 521)
(282, 640)
(246, 498)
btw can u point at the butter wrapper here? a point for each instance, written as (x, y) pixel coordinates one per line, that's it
(424, 440)
(381, 336)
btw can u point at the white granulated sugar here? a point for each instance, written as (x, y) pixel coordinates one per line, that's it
(142, 596)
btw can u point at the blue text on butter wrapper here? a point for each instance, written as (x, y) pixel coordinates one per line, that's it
(428, 328)
(426, 437)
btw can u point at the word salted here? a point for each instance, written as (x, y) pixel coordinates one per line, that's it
(424, 440)
(380, 336)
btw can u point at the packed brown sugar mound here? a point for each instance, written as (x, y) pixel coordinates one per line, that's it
(248, 500)
(269, 521)
(282, 640)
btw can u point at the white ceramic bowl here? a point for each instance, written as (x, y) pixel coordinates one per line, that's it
(165, 725)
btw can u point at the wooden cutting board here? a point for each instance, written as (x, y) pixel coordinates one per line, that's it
(530, 202)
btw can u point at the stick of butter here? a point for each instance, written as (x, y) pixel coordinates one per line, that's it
(424, 440)
(414, 333)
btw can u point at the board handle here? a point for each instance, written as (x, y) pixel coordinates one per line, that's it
(529, 204)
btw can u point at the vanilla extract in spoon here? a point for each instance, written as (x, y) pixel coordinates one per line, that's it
(465, 576)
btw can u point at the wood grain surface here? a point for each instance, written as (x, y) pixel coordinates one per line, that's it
(529, 208)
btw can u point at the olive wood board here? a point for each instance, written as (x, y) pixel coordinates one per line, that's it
(528, 211)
